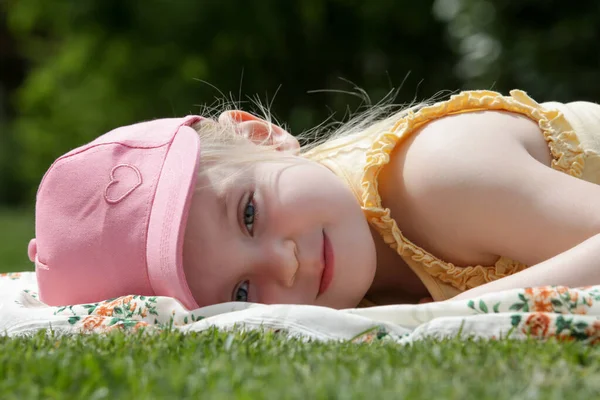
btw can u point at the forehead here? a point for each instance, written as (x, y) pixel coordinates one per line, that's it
(226, 178)
(220, 177)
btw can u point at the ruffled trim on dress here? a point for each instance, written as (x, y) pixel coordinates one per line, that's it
(564, 145)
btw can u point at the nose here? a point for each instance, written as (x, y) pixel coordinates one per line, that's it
(280, 262)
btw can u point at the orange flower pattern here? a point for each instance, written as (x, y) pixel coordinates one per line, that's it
(127, 313)
(537, 324)
(557, 313)
(552, 312)
(544, 313)
(11, 275)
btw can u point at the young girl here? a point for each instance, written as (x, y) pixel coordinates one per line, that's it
(479, 193)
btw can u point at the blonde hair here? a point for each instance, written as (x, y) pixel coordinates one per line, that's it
(224, 149)
(225, 152)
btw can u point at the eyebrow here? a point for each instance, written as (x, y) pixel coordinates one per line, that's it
(223, 200)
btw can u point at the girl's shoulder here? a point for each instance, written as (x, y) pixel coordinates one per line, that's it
(434, 177)
(468, 182)
(454, 164)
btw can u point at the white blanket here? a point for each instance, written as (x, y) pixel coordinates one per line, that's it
(545, 312)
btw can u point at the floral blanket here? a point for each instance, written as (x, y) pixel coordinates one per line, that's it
(546, 312)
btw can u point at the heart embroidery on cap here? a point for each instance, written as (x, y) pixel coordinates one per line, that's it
(124, 179)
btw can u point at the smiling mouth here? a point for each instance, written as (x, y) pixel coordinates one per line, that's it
(327, 274)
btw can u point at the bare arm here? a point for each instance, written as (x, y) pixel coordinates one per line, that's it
(576, 267)
(476, 184)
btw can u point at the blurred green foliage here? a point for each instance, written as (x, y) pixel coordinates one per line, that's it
(16, 230)
(91, 65)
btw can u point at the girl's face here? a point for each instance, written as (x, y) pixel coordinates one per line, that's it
(278, 232)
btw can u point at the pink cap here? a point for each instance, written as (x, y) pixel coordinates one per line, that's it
(111, 215)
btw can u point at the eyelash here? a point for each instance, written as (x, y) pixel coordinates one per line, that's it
(238, 288)
(250, 203)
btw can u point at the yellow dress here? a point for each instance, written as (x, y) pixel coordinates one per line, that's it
(571, 130)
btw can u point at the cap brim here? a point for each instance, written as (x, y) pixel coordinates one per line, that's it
(168, 218)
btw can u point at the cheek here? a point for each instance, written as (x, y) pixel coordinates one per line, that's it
(212, 265)
(266, 293)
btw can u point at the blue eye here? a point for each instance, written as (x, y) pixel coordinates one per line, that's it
(249, 214)
(241, 292)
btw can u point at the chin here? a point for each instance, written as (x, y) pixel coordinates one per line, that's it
(359, 278)
(349, 304)
(348, 296)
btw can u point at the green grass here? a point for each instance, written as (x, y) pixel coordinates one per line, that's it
(16, 229)
(265, 365)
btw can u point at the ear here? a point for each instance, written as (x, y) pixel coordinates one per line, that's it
(260, 131)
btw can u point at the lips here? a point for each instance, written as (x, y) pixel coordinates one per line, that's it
(327, 274)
